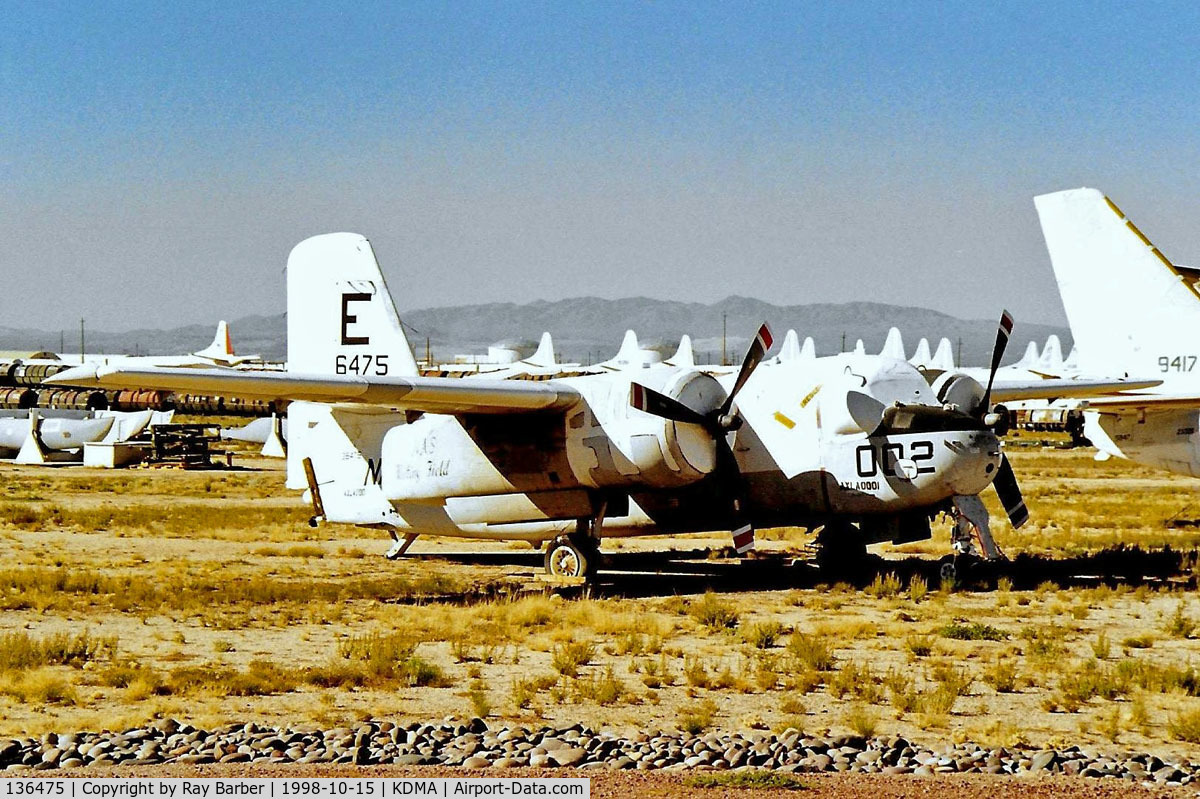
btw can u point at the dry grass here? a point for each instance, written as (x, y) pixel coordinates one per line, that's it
(230, 607)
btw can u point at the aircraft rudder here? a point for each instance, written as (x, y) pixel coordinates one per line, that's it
(341, 316)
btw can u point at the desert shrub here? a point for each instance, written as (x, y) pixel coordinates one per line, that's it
(697, 717)
(1185, 726)
(883, 586)
(975, 631)
(714, 613)
(1001, 676)
(19, 650)
(568, 657)
(810, 651)
(763, 634)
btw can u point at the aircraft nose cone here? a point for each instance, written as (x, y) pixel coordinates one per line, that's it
(976, 461)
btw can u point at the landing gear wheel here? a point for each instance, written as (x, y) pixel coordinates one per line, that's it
(566, 558)
(948, 571)
(842, 548)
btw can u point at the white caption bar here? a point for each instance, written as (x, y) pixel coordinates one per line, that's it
(348, 788)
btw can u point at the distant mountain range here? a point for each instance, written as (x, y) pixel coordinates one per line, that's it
(588, 329)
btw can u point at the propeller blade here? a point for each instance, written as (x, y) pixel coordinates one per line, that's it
(1002, 334)
(758, 349)
(652, 402)
(865, 410)
(1010, 494)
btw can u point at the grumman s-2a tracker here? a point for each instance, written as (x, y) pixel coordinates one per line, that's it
(865, 447)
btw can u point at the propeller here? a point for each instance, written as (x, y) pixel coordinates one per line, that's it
(1005, 481)
(718, 423)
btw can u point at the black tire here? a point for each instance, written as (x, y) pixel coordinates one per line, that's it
(842, 548)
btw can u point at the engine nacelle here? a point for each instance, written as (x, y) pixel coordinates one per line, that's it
(617, 445)
(958, 389)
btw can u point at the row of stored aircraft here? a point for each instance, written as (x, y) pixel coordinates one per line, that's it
(863, 447)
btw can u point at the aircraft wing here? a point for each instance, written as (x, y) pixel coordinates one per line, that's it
(431, 394)
(1009, 390)
(1133, 402)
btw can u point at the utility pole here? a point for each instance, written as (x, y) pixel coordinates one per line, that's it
(724, 326)
(959, 362)
(82, 350)
(843, 341)
(62, 341)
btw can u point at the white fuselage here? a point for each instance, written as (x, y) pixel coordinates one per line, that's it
(802, 456)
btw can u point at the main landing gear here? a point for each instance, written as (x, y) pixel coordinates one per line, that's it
(576, 555)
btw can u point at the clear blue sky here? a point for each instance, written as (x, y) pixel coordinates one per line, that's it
(158, 160)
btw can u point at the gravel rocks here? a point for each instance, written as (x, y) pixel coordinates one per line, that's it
(474, 745)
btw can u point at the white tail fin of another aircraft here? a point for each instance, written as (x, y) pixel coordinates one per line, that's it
(341, 318)
(1030, 357)
(893, 346)
(790, 351)
(221, 348)
(545, 352)
(1132, 311)
(943, 356)
(684, 356)
(1051, 360)
(921, 357)
(808, 352)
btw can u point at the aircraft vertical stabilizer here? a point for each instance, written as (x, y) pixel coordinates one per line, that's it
(893, 346)
(921, 357)
(1132, 311)
(684, 355)
(860, 348)
(1051, 360)
(1030, 357)
(222, 344)
(630, 354)
(340, 316)
(790, 351)
(809, 351)
(544, 356)
(943, 357)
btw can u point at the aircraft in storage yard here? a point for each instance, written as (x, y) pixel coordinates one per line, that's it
(1131, 311)
(861, 446)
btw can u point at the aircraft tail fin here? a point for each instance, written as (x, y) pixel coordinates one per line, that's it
(544, 356)
(1051, 360)
(1132, 311)
(893, 346)
(684, 356)
(943, 356)
(808, 352)
(340, 316)
(222, 344)
(860, 348)
(1030, 357)
(790, 351)
(630, 353)
(921, 357)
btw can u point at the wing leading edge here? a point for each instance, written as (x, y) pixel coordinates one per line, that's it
(430, 394)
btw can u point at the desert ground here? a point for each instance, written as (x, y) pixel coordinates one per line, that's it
(138, 594)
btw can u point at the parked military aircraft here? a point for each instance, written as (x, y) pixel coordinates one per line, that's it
(862, 446)
(1131, 311)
